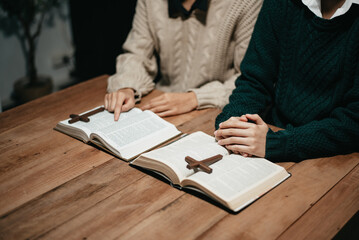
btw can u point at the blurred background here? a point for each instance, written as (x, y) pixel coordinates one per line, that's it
(78, 40)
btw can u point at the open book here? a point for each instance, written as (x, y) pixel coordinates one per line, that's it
(235, 181)
(134, 133)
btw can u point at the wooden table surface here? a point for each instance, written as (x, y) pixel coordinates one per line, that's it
(53, 186)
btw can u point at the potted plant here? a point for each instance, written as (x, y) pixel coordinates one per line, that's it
(25, 19)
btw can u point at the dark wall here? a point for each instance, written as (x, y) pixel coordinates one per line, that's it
(99, 30)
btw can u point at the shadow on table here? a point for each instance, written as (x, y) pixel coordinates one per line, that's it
(350, 229)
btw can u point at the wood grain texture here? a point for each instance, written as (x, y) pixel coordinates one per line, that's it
(117, 214)
(34, 157)
(48, 174)
(186, 217)
(61, 204)
(328, 216)
(53, 186)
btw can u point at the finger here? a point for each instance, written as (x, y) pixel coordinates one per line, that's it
(231, 119)
(159, 100)
(118, 107)
(235, 124)
(128, 104)
(243, 118)
(220, 134)
(113, 102)
(233, 140)
(235, 132)
(244, 154)
(217, 135)
(166, 113)
(145, 107)
(255, 118)
(238, 148)
(219, 138)
(108, 98)
(153, 104)
(105, 101)
(160, 108)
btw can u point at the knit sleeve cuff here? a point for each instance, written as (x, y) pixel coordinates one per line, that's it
(211, 96)
(277, 146)
(140, 84)
(203, 99)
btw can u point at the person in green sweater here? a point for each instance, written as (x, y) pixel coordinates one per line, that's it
(300, 73)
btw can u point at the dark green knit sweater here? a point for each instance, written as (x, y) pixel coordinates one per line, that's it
(307, 70)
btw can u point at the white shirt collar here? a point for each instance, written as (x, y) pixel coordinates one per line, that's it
(314, 6)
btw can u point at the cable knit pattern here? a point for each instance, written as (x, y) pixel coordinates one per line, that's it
(307, 69)
(201, 53)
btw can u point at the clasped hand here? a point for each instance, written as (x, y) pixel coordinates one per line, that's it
(240, 136)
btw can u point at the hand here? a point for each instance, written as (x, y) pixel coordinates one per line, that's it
(243, 137)
(120, 101)
(169, 104)
(242, 118)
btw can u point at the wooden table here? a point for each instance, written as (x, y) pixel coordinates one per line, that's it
(53, 186)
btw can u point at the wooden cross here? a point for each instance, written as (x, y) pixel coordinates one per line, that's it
(84, 117)
(193, 163)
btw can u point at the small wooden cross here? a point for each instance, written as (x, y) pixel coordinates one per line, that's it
(193, 163)
(84, 117)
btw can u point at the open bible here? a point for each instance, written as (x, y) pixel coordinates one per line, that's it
(134, 133)
(235, 181)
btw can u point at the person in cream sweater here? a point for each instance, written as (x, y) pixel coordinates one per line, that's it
(189, 49)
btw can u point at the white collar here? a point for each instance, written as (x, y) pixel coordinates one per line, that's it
(315, 5)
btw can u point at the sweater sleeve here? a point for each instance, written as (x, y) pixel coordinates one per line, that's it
(136, 68)
(336, 134)
(259, 68)
(216, 93)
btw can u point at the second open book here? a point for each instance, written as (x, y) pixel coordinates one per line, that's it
(235, 181)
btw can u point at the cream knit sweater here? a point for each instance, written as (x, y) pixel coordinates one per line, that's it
(200, 54)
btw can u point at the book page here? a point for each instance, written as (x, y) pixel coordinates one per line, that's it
(135, 132)
(105, 119)
(97, 121)
(236, 175)
(197, 145)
